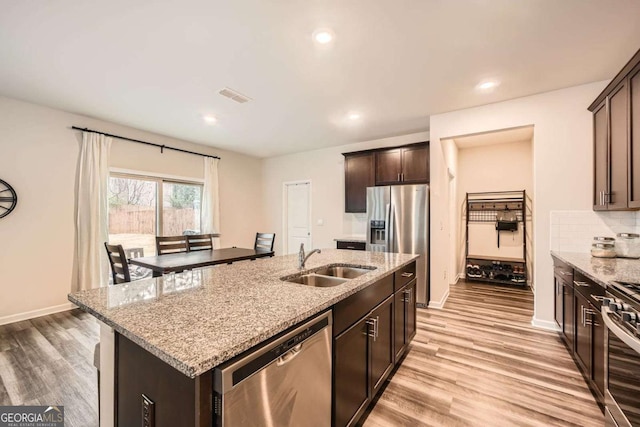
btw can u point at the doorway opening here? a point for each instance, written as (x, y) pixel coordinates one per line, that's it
(497, 161)
(296, 221)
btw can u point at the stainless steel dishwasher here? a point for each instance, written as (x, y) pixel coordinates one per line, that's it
(287, 382)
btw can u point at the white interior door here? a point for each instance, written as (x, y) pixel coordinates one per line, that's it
(298, 211)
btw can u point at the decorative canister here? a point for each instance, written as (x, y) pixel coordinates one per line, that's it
(603, 247)
(627, 245)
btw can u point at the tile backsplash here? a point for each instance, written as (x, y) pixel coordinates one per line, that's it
(573, 231)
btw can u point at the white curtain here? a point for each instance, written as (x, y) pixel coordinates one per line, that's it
(92, 228)
(210, 214)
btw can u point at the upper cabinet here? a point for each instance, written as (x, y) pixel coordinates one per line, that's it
(358, 175)
(387, 166)
(405, 165)
(616, 140)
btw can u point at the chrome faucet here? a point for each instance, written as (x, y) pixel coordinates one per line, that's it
(302, 258)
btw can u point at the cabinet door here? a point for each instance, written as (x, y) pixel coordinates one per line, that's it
(583, 333)
(399, 337)
(382, 357)
(415, 164)
(351, 379)
(568, 325)
(411, 312)
(599, 350)
(618, 140)
(388, 166)
(558, 301)
(600, 161)
(634, 139)
(358, 175)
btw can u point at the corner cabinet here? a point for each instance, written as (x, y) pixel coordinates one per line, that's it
(616, 141)
(407, 164)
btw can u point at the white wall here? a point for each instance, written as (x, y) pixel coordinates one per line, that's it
(562, 172)
(39, 156)
(325, 169)
(496, 167)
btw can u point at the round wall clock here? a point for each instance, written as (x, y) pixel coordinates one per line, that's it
(8, 199)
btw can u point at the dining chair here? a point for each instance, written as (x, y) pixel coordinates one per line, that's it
(171, 244)
(119, 263)
(136, 271)
(264, 242)
(199, 242)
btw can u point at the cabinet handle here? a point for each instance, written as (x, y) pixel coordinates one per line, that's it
(581, 284)
(408, 296)
(407, 274)
(583, 316)
(371, 331)
(398, 177)
(377, 331)
(351, 247)
(402, 174)
(565, 273)
(597, 297)
(601, 195)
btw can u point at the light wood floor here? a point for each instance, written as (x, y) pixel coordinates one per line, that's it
(49, 361)
(479, 362)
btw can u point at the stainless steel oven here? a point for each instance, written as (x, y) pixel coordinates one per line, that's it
(620, 312)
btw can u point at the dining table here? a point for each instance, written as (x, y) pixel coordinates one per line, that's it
(176, 262)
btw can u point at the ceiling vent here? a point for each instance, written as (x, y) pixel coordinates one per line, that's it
(232, 94)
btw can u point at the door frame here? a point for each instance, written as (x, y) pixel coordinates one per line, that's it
(285, 219)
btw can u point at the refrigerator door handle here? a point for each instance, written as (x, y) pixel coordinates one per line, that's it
(387, 227)
(391, 229)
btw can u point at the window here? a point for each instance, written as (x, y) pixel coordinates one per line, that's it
(141, 208)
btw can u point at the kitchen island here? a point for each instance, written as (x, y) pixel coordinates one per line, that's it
(182, 326)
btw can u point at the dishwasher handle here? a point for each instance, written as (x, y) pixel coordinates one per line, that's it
(289, 355)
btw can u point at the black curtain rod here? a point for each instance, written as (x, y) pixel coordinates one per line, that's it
(161, 147)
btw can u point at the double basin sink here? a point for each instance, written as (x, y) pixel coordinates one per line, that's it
(328, 275)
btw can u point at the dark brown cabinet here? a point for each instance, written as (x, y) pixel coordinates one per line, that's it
(405, 318)
(583, 332)
(358, 175)
(406, 165)
(577, 302)
(385, 166)
(388, 167)
(616, 122)
(368, 328)
(599, 350)
(382, 357)
(350, 372)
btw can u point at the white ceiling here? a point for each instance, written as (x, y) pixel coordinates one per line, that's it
(158, 65)
(506, 136)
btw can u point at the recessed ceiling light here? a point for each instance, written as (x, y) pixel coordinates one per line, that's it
(209, 119)
(323, 36)
(354, 115)
(487, 85)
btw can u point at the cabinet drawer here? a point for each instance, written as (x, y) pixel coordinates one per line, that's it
(588, 288)
(352, 309)
(355, 246)
(404, 275)
(562, 271)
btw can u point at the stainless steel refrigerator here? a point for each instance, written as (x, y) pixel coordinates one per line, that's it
(398, 221)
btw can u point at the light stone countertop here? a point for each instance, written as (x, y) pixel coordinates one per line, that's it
(197, 320)
(602, 270)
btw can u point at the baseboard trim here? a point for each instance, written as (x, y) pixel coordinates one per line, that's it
(439, 304)
(36, 313)
(545, 324)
